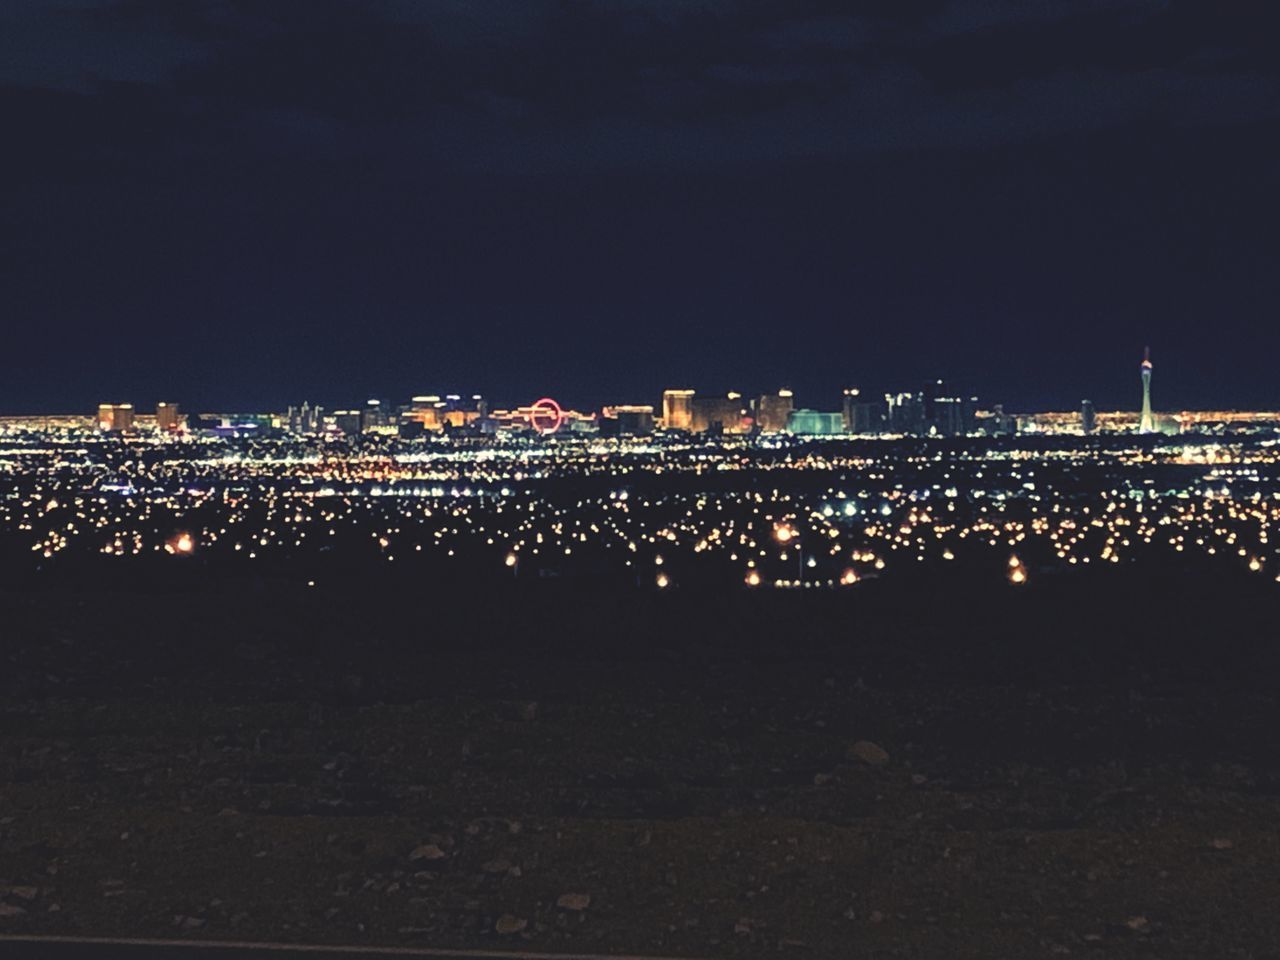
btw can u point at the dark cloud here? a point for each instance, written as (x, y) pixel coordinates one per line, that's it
(888, 76)
(445, 177)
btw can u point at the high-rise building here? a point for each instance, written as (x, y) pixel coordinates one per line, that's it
(429, 410)
(861, 416)
(929, 397)
(115, 417)
(718, 414)
(948, 417)
(1088, 417)
(167, 417)
(373, 416)
(677, 409)
(905, 412)
(1147, 422)
(772, 411)
(305, 419)
(951, 416)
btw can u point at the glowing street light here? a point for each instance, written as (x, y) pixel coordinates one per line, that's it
(1017, 572)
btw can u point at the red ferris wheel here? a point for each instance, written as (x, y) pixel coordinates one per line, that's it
(545, 416)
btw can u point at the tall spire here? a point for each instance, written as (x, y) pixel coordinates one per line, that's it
(1147, 423)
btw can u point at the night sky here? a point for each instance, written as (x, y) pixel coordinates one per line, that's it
(242, 205)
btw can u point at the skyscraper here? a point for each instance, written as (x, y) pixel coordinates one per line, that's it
(772, 411)
(677, 409)
(1088, 417)
(905, 412)
(1147, 424)
(861, 416)
(115, 417)
(718, 414)
(373, 416)
(167, 417)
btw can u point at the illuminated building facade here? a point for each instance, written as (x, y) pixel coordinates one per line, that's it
(115, 417)
(719, 415)
(168, 418)
(677, 409)
(815, 423)
(451, 412)
(544, 417)
(772, 411)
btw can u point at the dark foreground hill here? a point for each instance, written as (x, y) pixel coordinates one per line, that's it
(1080, 767)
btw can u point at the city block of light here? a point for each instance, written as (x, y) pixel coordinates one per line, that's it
(750, 492)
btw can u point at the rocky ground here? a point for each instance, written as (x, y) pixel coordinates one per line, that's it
(986, 774)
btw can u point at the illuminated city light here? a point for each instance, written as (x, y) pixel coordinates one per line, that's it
(277, 498)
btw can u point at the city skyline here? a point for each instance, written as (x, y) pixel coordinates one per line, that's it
(335, 398)
(1115, 391)
(935, 410)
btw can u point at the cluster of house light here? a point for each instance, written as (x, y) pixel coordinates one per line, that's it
(809, 517)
